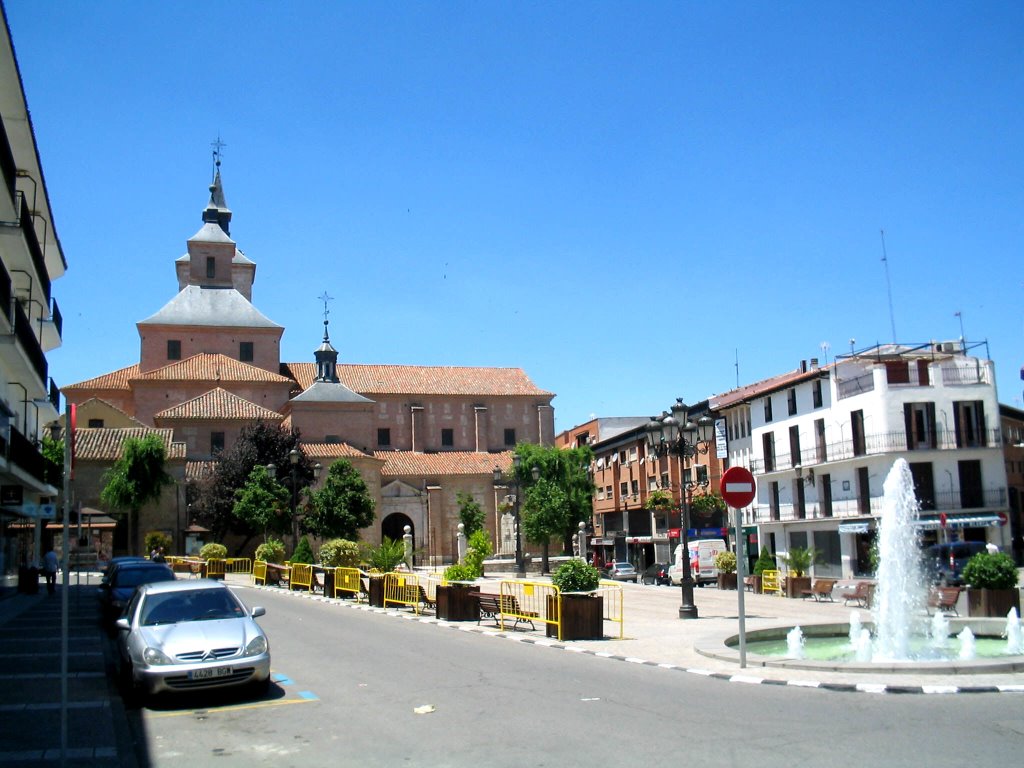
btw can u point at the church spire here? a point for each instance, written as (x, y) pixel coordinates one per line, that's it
(217, 211)
(326, 355)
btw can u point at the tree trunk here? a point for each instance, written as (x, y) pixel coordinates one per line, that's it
(544, 557)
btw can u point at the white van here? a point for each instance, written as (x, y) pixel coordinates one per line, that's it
(702, 561)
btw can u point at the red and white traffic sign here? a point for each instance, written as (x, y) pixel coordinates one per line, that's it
(738, 487)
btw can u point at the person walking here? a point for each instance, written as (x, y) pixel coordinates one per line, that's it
(50, 566)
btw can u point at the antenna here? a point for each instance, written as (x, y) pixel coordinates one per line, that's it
(888, 284)
(736, 353)
(963, 339)
(825, 347)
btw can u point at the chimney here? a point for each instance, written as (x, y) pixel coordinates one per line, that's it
(814, 362)
(803, 366)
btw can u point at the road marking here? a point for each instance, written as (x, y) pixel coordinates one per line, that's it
(233, 708)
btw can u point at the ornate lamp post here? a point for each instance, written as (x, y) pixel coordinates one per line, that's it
(676, 435)
(499, 479)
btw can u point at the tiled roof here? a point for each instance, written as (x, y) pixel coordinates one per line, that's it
(332, 451)
(422, 379)
(401, 463)
(106, 444)
(763, 387)
(209, 366)
(111, 406)
(115, 380)
(218, 405)
(199, 469)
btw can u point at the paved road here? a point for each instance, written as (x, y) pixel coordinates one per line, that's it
(351, 681)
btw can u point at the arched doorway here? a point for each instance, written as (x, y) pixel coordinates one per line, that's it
(393, 526)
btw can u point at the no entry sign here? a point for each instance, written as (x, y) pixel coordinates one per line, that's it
(738, 487)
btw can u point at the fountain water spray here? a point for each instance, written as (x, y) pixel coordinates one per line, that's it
(901, 590)
(855, 627)
(967, 644)
(1014, 639)
(795, 643)
(939, 630)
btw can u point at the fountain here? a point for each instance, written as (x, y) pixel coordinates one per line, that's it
(900, 638)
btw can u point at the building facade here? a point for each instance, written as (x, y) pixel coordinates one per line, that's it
(31, 325)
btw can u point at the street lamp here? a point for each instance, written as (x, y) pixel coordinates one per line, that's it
(675, 434)
(499, 479)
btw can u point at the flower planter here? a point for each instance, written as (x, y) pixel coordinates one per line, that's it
(795, 585)
(992, 602)
(457, 602)
(727, 581)
(376, 593)
(582, 617)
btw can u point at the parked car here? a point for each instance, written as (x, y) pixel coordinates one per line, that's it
(121, 581)
(948, 560)
(191, 634)
(114, 562)
(656, 573)
(622, 572)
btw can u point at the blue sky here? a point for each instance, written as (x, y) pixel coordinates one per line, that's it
(623, 199)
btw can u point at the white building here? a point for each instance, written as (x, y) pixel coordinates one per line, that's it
(821, 440)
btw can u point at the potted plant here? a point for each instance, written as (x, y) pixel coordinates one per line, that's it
(337, 553)
(213, 551)
(725, 562)
(581, 612)
(798, 562)
(382, 559)
(271, 551)
(456, 598)
(991, 581)
(765, 562)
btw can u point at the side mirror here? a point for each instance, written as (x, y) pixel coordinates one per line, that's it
(122, 624)
(258, 610)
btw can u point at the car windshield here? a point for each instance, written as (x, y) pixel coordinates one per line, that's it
(199, 605)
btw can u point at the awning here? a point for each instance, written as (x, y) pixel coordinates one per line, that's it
(973, 521)
(854, 528)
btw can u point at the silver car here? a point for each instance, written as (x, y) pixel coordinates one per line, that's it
(188, 635)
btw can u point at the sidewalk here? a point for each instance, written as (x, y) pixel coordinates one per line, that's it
(30, 682)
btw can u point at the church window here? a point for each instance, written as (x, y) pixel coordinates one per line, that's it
(216, 443)
(245, 351)
(384, 437)
(447, 438)
(510, 437)
(173, 349)
(211, 266)
(95, 423)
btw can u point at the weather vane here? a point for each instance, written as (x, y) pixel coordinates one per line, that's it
(325, 298)
(217, 145)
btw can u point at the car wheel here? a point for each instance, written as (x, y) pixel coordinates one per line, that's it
(130, 692)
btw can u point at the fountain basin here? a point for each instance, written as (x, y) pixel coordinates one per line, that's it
(981, 627)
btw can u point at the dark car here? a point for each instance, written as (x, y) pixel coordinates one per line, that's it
(114, 562)
(656, 573)
(948, 560)
(121, 582)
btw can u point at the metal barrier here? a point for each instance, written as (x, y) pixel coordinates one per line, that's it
(770, 582)
(346, 580)
(410, 589)
(239, 565)
(301, 576)
(611, 593)
(259, 572)
(529, 601)
(215, 568)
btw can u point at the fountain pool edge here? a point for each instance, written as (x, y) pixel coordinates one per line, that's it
(728, 651)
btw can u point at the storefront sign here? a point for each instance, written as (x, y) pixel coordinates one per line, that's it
(12, 495)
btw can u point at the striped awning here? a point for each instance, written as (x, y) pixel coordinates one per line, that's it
(968, 521)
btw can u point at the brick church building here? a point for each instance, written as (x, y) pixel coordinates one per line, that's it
(210, 363)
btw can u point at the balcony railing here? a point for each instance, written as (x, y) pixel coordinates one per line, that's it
(855, 386)
(29, 343)
(7, 165)
(961, 375)
(874, 444)
(23, 452)
(951, 501)
(35, 250)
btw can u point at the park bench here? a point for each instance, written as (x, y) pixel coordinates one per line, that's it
(861, 594)
(943, 599)
(821, 589)
(492, 606)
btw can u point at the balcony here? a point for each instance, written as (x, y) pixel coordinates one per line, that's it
(24, 454)
(847, 509)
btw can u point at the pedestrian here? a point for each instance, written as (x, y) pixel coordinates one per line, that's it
(50, 570)
(991, 548)
(158, 555)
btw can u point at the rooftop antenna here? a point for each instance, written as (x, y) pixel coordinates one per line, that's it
(825, 347)
(888, 284)
(217, 145)
(736, 352)
(963, 339)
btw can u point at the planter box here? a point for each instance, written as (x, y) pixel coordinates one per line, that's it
(992, 602)
(795, 585)
(582, 617)
(376, 595)
(457, 602)
(727, 581)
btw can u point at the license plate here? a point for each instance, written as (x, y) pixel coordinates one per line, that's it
(209, 673)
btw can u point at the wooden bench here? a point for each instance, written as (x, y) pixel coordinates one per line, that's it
(493, 606)
(821, 589)
(861, 594)
(943, 599)
(749, 583)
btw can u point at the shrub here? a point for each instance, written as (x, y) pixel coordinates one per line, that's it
(725, 562)
(459, 572)
(155, 540)
(387, 556)
(213, 551)
(272, 550)
(477, 550)
(339, 552)
(576, 576)
(765, 562)
(303, 552)
(990, 571)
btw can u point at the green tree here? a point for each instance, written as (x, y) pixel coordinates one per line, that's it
(342, 506)
(544, 514)
(303, 552)
(261, 502)
(566, 469)
(471, 513)
(137, 478)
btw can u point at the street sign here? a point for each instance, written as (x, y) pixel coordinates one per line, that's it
(1003, 519)
(738, 487)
